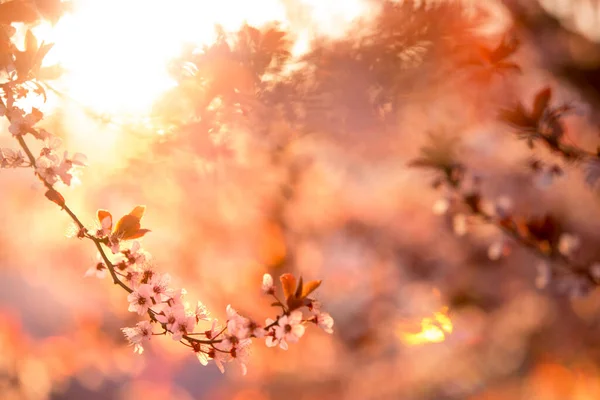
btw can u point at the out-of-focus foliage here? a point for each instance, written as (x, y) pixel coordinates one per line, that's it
(262, 161)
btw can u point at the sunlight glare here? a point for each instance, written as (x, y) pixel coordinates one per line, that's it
(433, 330)
(116, 52)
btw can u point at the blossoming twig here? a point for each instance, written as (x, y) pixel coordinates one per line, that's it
(149, 292)
(540, 236)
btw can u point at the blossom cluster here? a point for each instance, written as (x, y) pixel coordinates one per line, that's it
(150, 292)
(464, 202)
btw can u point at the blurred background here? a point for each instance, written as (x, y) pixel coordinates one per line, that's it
(274, 136)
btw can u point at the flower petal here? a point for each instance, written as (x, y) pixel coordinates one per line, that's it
(105, 218)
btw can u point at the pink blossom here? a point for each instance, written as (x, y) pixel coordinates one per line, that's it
(98, 269)
(65, 168)
(138, 335)
(170, 316)
(325, 322)
(51, 144)
(241, 354)
(236, 324)
(178, 297)
(134, 255)
(106, 226)
(289, 328)
(202, 314)
(221, 354)
(202, 352)
(160, 286)
(214, 331)
(183, 325)
(46, 169)
(140, 300)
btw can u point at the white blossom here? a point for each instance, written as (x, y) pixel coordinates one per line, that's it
(496, 249)
(138, 335)
(543, 276)
(202, 353)
(289, 328)
(441, 206)
(267, 284)
(325, 322)
(98, 270)
(183, 325)
(459, 224)
(568, 244)
(201, 312)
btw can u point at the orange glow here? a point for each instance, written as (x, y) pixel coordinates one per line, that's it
(433, 330)
(116, 52)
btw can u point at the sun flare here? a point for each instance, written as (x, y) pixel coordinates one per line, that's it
(115, 52)
(432, 329)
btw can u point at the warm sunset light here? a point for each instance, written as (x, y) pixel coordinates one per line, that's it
(299, 199)
(433, 329)
(116, 52)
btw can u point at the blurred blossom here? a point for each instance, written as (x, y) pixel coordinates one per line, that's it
(595, 271)
(497, 249)
(543, 275)
(568, 243)
(98, 269)
(269, 154)
(441, 206)
(459, 224)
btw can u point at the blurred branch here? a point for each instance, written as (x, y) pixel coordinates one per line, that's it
(541, 237)
(568, 55)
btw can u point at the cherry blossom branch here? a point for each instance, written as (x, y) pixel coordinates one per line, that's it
(149, 292)
(98, 243)
(541, 237)
(543, 123)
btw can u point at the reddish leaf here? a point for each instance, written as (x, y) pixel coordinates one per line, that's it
(138, 212)
(55, 197)
(507, 47)
(518, 118)
(540, 103)
(310, 287)
(127, 226)
(543, 229)
(140, 233)
(288, 282)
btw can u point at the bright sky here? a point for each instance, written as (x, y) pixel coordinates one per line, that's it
(116, 51)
